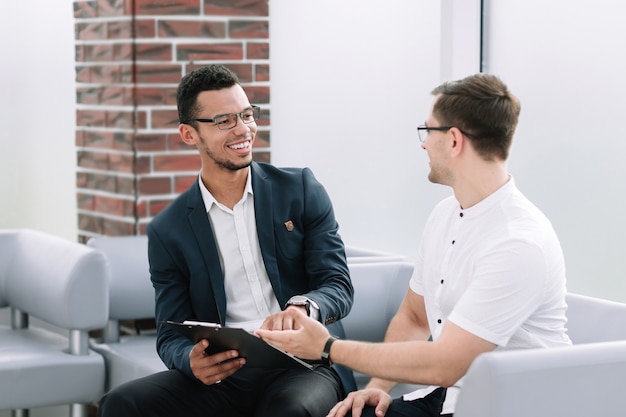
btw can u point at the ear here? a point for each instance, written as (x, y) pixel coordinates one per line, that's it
(187, 133)
(458, 142)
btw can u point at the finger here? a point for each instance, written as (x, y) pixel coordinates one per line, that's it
(288, 323)
(382, 407)
(341, 408)
(198, 349)
(222, 370)
(221, 357)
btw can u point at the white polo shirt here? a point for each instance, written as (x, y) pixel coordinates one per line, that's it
(495, 270)
(250, 297)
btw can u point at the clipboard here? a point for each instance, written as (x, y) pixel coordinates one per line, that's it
(258, 353)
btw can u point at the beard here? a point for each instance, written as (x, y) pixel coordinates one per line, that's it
(223, 162)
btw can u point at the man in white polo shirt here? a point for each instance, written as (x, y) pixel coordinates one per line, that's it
(489, 273)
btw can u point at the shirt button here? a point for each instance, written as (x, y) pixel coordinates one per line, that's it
(439, 321)
(441, 281)
(461, 214)
(453, 241)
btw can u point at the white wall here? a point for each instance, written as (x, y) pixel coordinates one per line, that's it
(37, 113)
(350, 84)
(566, 61)
(351, 81)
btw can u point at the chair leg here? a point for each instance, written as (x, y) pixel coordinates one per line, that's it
(78, 410)
(19, 413)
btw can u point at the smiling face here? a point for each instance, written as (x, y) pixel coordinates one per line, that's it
(229, 149)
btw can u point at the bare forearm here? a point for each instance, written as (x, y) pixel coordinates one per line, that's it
(398, 331)
(411, 362)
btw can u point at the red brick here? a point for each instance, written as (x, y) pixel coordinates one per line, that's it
(85, 201)
(110, 182)
(243, 70)
(105, 74)
(85, 9)
(142, 209)
(121, 119)
(159, 73)
(239, 29)
(143, 165)
(262, 139)
(98, 139)
(114, 206)
(213, 51)
(150, 142)
(174, 163)
(175, 143)
(182, 183)
(258, 94)
(154, 52)
(258, 50)
(236, 7)
(155, 96)
(89, 223)
(106, 52)
(156, 206)
(112, 227)
(191, 29)
(121, 162)
(167, 7)
(92, 30)
(153, 186)
(165, 119)
(108, 8)
(104, 95)
(91, 118)
(261, 157)
(264, 120)
(262, 72)
(120, 30)
(145, 28)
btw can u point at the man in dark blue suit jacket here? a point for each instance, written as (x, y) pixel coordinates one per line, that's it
(245, 242)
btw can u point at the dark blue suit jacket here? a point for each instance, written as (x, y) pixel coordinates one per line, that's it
(308, 260)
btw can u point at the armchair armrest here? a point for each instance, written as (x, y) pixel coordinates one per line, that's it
(577, 381)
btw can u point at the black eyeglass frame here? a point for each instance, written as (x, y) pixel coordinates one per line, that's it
(438, 129)
(256, 113)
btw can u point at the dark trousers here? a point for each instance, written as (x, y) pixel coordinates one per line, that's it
(429, 406)
(251, 392)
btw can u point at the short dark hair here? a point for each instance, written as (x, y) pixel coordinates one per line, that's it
(482, 106)
(210, 77)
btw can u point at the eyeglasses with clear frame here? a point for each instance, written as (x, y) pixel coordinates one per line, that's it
(422, 131)
(229, 121)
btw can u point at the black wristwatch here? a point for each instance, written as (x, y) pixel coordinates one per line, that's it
(312, 309)
(326, 352)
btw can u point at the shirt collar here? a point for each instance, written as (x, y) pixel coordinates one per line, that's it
(208, 198)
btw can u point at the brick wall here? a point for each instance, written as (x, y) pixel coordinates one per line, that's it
(130, 56)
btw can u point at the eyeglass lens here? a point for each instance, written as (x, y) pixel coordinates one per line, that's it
(228, 121)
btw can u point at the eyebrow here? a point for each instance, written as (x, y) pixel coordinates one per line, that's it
(230, 114)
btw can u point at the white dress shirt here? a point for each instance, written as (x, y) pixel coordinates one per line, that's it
(496, 270)
(249, 294)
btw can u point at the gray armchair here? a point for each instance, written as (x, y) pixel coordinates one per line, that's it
(584, 380)
(380, 280)
(64, 285)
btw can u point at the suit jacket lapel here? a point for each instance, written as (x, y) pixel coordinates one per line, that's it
(205, 240)
(263, 209)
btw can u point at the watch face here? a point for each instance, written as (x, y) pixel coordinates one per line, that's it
(299, 300)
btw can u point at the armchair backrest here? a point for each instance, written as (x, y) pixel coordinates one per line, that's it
(592, 319)
(131, 295)
(61, 282)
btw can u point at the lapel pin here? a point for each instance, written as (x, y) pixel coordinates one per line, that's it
(289, 225)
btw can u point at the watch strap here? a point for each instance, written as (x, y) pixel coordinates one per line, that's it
(326, 352)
